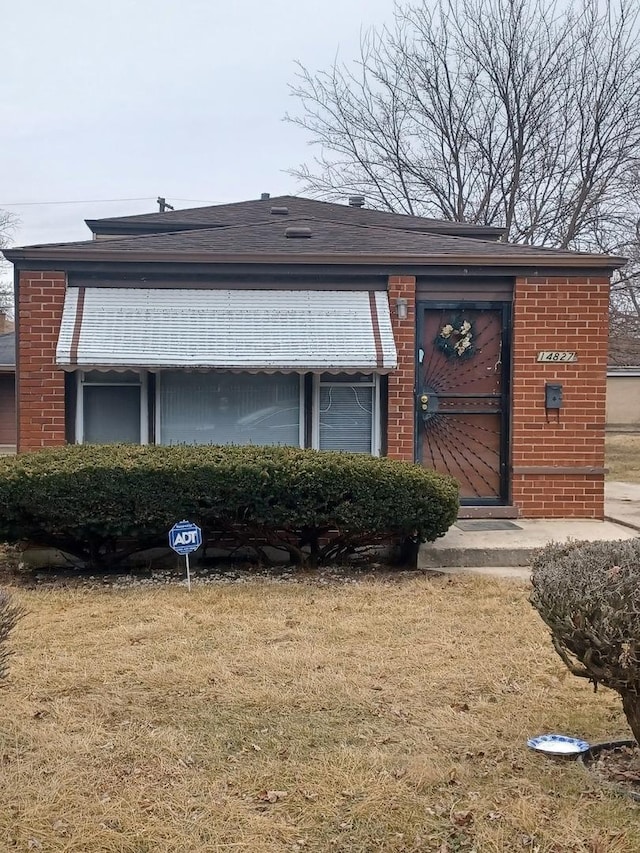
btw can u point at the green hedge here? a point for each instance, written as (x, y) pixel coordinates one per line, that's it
(102, 503)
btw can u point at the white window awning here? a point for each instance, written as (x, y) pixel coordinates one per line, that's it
(255, 330)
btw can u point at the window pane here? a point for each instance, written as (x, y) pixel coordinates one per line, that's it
(111, 414)
(346, 418)
(229, 408)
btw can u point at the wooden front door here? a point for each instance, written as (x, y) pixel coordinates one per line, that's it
(462, 403)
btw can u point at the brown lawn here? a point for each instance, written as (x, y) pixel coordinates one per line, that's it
(269, 716)
(623, 457)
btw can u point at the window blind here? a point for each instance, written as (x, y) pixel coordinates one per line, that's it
(346, 418)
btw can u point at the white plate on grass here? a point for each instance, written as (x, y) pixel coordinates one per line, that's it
(558, 745)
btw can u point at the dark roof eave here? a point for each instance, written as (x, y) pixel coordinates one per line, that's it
(98, 226)
(576, 261)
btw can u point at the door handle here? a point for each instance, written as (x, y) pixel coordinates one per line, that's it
(424, 402)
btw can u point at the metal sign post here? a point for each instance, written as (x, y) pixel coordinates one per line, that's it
(186, 560)
(185, 537)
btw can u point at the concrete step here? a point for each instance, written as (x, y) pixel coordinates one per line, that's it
(515, 573)
(474, 544)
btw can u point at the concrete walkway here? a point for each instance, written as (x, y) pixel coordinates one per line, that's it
(622, 504)
(505, 548)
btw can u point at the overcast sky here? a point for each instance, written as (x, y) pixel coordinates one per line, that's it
(130, 99)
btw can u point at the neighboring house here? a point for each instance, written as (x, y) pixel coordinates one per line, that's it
(7, 392)
(623, 381)
(623, 398)
(293, 321)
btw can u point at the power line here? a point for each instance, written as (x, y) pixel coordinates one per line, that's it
(98, 201)
(73, 201)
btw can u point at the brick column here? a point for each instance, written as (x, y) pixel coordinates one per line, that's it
(558, 457)
(400, 427)
(40, 383)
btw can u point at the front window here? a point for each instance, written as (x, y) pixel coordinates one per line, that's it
(229, 408)
(219, 407)
(346, 413)
(110, 409)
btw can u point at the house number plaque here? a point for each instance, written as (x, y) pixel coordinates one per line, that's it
(552, 355)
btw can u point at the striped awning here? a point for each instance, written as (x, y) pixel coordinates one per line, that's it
(257, 330)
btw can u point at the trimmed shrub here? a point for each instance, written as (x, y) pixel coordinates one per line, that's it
(588, 594)
(103, 503)
(9, 615)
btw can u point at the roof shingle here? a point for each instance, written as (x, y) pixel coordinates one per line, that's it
(330, 241)
(257, 210)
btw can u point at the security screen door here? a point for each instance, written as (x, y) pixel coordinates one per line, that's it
(462, 403)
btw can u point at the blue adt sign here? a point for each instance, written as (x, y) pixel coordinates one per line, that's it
(185, 537)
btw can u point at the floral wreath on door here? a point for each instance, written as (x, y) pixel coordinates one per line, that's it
(455, 339)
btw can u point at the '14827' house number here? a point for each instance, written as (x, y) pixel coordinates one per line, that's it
(551, 355)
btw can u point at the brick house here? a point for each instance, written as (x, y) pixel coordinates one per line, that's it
(7, 386)
(623, 374)
(293, 321)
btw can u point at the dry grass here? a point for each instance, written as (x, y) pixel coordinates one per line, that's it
(623, 457)
(393, 715)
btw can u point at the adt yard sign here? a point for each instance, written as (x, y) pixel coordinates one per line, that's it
(185, 537)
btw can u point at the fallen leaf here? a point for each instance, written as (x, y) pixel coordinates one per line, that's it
(272, 796)
(463, 818)
(460, 706)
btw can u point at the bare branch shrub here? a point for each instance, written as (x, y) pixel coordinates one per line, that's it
(9, 615)
(588, 594)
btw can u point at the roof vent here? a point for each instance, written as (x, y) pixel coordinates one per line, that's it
(293, 233)
(265, 196)
(279, 211)
(356, 201)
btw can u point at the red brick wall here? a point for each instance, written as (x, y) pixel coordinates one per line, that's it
(400, 427)
(557, 462)
(40, 383)
(558, 457)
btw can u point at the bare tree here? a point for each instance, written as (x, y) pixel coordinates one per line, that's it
(8, 223)
(518, 113)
